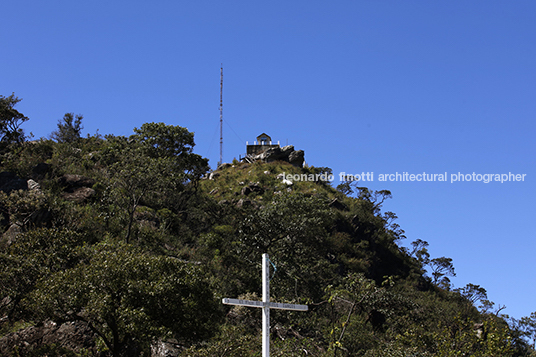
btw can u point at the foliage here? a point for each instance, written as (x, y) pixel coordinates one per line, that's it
(442, 268)
(21, 159)
(154, 167)
(473, 293)
(528, 327)
(10, 121)
(488, 339)
(21, 206)
(130, 298)
(35, 256)
(420, 252)
(159, 140)
(149, 255)
(361, 308)
(292, 229)
(136, 179)
(69, 128)
(231, 341)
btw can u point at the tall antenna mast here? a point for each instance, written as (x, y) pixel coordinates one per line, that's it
(221, 116)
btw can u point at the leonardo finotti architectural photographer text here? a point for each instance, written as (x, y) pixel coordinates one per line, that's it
(407, 177)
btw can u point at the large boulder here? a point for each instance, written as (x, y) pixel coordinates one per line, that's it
(252, 187)
(77, 188)
(224, 166)
(166, 349)
(74, 336)
(11, 182)
(297, 158)
(80, 194)
(270, 155)
(33, 185)
(286, 153)
(335, 203)
(74, 181)
(11, 234)
(40, 170)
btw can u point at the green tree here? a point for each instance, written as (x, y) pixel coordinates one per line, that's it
(461, 338)
(154, 167)
(473, 293)
(130, 299)
(35, 255)
(10, 120)
(293, 230)
(69, 128)
(361, 309)
(528, 325)
(420, 252)
(159, 140)
(442, 268)
(139, 179)
(347, 188)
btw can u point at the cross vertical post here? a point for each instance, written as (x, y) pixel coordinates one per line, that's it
(266, 305)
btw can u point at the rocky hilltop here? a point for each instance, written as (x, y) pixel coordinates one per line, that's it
(286, 154)
(118, 246)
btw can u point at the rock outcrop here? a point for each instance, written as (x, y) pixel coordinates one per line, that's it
(77, 187)
(75, 181)
(11, 182)
(165, 349)
(33, 185)
(74, 336)
(286, 153)
(40, 170)
(297, 158)
(11, 234)
(34, 212)
(252, 187)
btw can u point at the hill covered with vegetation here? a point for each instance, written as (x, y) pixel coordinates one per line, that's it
(125, 246)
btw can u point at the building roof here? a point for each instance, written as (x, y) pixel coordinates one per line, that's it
(266, 135)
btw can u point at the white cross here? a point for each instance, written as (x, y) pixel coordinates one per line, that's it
(266, 305)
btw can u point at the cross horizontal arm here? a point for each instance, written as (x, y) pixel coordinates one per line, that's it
(282, 306)
(240, 302)
(271, 305)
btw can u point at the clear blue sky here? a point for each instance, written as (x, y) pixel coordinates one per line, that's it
(361, 86)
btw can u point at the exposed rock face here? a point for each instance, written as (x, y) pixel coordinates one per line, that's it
(284, 180)
(74, 181)
(79, 195)
(75, 336)
(224, 166)
(213, 175)
(277, 154)
(77, 187)
(11, 234)
(39, 170)
(147, 218)
(335, 203)
(252, 187)
(32, 185)
(245, 191)
(11, 182)
(165, 349)
(286, 153)
(246, 203)
(297, 158)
